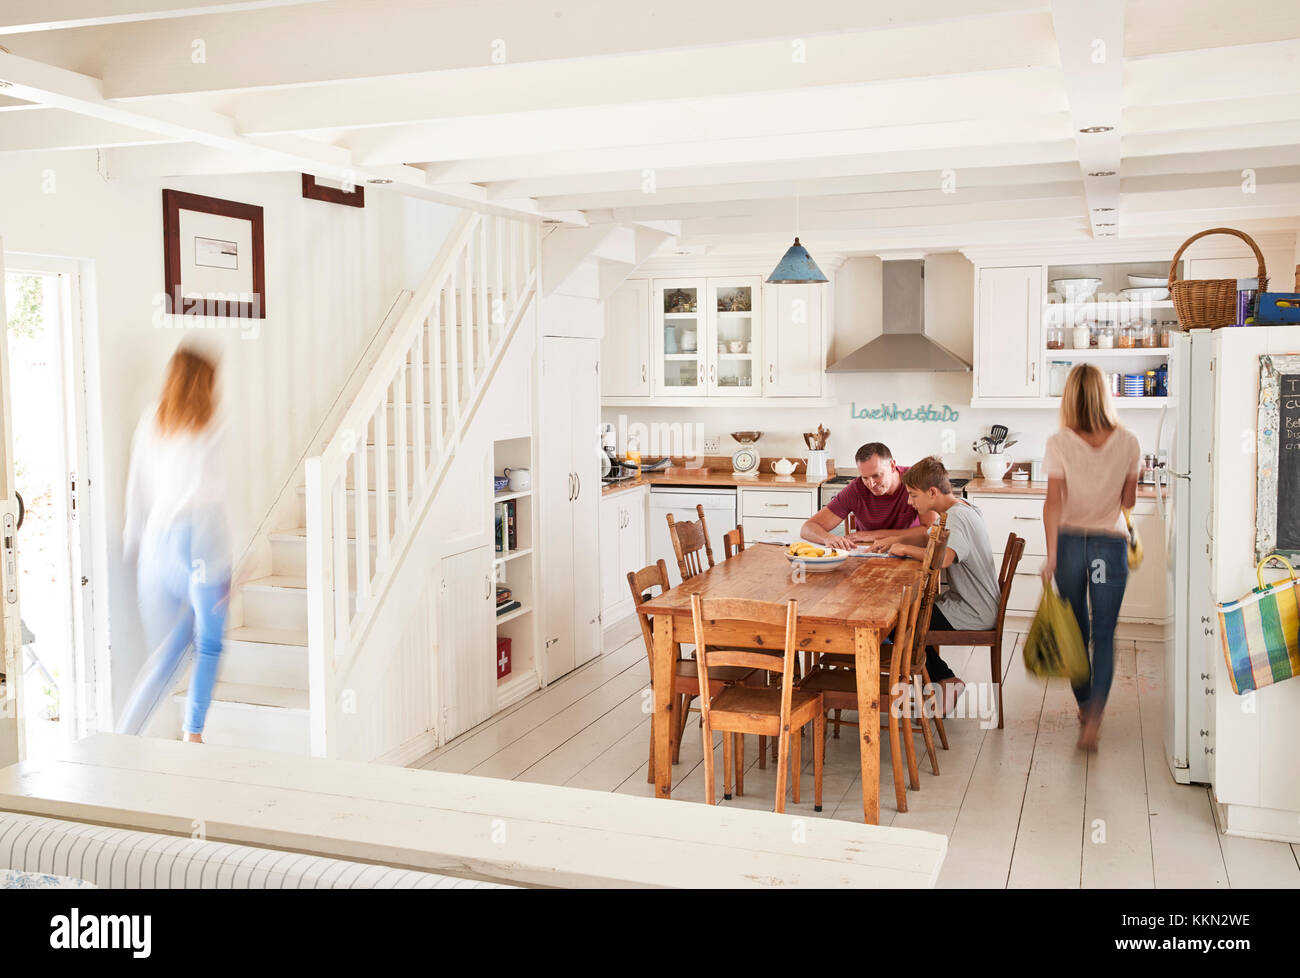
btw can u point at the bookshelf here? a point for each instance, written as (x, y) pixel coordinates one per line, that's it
(514, 517)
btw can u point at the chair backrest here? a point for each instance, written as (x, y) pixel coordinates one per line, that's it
(928, 587)
(716, 622)
(688, 540)
(656, 575)
(906, 632)
(1007, 576)
(733, 542)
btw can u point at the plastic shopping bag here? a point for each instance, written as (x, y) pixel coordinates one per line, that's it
(1134, 542)
(1055, 644)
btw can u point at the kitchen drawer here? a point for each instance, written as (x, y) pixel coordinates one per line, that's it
(760, 528)
(1022, 516)
(782, 503)
(1026, 590)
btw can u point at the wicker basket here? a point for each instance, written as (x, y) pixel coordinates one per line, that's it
(1212, 302)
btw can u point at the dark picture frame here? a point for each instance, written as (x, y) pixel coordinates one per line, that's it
(175, 201)
(332, 195)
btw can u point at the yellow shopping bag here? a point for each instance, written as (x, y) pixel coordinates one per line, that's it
(1055, 644)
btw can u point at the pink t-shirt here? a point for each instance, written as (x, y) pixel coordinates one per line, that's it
(888, 512)
(1094, 477)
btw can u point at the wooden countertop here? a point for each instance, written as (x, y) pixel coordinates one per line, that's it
(713, 479)
(1006, 487)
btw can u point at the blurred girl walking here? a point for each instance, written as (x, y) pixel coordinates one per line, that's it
(1092, 465)
(176, 523)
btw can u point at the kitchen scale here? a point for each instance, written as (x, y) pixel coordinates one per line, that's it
(745, 459)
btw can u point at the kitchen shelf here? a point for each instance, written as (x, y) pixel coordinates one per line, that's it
(1094, 303)
(748, 314)
(501, 497)
(681, 315)
(735, 356)
(512, 554)
(1118, 352)
(1054, 403)
(512, 615)
(682, 356)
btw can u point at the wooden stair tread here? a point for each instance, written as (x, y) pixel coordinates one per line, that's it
(247, 694)
(267, 636)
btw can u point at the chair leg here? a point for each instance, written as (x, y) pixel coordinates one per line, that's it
(796, 762)
(726, 765)
(938, 713)
(929, 739)
(782, 765)
(740, 764)
(995, 667)
(776, 741)
(908, 728)
(709, 796)
(896, 755)
(762, 753)
(819, 758)
(650, 768)
(836, 735)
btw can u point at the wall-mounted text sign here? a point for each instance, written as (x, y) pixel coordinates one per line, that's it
(892, 412)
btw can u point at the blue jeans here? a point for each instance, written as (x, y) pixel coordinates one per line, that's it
(182, 611)
(1092, 568)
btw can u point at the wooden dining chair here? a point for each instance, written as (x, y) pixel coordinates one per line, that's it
(992, 638)
(839, 691)
(733, 542)
(686, 683)
(779, 712)
(689, 540)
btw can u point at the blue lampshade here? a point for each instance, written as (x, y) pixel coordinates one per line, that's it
(796, 267)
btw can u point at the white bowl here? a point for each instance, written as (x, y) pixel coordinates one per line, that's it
(817, 564)
(1149, 281)
(1075, 289)
(1152, 294)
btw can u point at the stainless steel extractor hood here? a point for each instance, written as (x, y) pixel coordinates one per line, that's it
(902, 345)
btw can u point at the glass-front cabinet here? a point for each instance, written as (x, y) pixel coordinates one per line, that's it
(735, 337)
(680, 324)
(707, 335)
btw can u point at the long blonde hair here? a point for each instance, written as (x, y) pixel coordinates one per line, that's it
(1086, 404)
(189, 393)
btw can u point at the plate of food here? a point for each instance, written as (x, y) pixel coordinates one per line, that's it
(815, 558)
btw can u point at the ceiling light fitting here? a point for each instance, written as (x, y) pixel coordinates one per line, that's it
(1095, 129)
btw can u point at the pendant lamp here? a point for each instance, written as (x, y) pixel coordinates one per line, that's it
(796, 266)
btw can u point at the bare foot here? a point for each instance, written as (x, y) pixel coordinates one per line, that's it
(1090, 733)
(193, 738)
(951, 689)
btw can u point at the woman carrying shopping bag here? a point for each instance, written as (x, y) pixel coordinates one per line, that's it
(1092, 464)
(176, 522)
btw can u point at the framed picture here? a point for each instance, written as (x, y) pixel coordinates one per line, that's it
(213, 257)
(356, 197)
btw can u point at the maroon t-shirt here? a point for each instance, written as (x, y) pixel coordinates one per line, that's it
(888, 512)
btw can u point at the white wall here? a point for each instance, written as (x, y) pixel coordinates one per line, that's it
(331, 272)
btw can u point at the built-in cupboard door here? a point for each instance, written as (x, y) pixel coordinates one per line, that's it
(625, 349)
(584, 431)
(792, 340)
(679, 323)
(554, 482)
(466, 641)
(735, 339)
(1009, 338)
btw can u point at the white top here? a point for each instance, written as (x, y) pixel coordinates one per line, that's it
(1094, 477)
(174, 479)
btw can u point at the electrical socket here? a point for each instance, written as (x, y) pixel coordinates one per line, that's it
(712, 445)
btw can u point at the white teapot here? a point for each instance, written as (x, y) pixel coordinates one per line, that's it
(784, 466)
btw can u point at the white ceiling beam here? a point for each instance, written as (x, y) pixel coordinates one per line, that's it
(943, 141)
(1090, 36)
(55, 129)
(24, 16)
(1246, 71)
(1156, 27)
(340, 40)
(61, 89)
(1219, 138)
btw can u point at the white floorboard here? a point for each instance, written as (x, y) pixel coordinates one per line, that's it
(1022, 806)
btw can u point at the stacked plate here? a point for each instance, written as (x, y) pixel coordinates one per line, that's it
(1134, 385)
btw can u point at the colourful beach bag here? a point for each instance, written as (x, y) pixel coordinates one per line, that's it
(1261, 632)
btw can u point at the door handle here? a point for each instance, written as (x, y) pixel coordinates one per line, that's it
(1032, 519)
(771, 373)
(643, 373)
(578, 492)
(488, 579)
(570, 487)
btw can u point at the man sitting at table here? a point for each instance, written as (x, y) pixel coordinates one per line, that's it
(877, 499)
(970, 601)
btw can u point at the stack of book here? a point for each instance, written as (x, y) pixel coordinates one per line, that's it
(506, 535)
(505, 601)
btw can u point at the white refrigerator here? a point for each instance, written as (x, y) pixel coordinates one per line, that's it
(1246, 747)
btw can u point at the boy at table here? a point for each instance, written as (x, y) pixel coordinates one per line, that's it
(970, 601)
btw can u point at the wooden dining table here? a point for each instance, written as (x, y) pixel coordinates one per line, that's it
(847, 609)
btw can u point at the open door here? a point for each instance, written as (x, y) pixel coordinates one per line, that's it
(12, 734)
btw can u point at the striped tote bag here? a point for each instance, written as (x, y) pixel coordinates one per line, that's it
(1261, 632)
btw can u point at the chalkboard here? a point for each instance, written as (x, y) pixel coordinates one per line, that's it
(1277, 498)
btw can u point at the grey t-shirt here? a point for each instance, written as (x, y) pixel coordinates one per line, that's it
(971, 599)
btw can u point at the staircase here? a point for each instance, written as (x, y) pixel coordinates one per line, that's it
(362, 497)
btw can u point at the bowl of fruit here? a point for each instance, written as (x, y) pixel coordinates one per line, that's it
(815, 558)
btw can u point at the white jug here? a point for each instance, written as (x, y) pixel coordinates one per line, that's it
(995, 466)
(784, 466)
(815, 468)
(521, 480)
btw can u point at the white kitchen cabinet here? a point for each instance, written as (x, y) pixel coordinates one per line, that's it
(622, 550)
(467, 679)
(1008, 332)
(708, 337)
(680, 326)
(625, 348)
(792, 340)
(568, 482)
(774, 514)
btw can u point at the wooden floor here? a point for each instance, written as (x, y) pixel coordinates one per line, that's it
(1022, 806)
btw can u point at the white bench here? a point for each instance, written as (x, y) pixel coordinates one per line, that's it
(458, 825)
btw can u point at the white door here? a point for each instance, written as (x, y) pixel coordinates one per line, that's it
(613, 588)
(1009, 336)
(792, 340)
(555, 486)
(584, 399)
(467, 678)
(12, 735)
(735, 337)
(625, 349)
(632, 546)
(680, 324)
